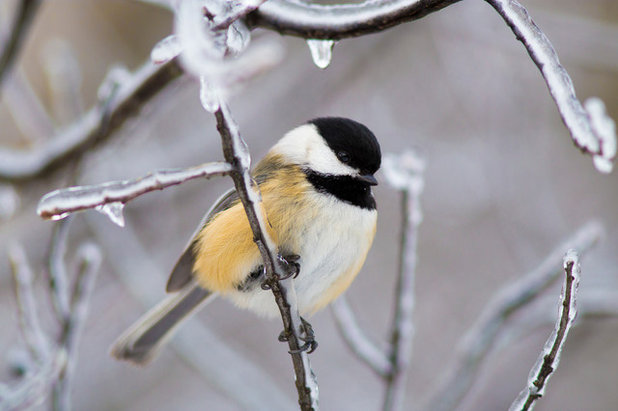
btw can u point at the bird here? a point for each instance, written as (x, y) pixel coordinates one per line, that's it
(315, 184)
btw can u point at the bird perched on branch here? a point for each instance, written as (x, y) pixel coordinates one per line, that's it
(316, 191)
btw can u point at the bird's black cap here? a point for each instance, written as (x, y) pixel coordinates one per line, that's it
(352, 139)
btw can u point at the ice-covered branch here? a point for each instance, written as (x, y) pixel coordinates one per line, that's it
(481, 337)
(99, 123)
(236, 152)
(59, 203)
(26, 9)
(334, 22)
(88, 258)
(405, 173)
(549, 359)
(354, 336)
(591, 129)
(53, 359)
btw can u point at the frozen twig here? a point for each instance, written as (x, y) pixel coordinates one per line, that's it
(59, 203)
(99, 123)
(405, 173)
(26, 9)
(354, 336)
(591, 130)
(58, 276)
(550, 356)
(334, 22)
(236, 152)
(480, 338)
(88, 263)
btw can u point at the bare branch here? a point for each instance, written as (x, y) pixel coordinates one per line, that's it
(23, 19)
(236, 152)
(550, 356)
(587, 126)
(334, 22)
(59, 203)
(482, 335)
(354, 336)
(99, 123)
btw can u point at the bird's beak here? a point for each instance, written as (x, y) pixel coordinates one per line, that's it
(369, 179)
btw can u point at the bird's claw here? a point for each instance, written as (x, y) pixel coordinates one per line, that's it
(307, 335)
(289, 265)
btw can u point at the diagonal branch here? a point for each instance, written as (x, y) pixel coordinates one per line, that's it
(549, 359)
(481, 337)
(236, 153)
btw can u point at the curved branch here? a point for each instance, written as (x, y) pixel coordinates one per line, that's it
(334, 22)
(23, 17)
(587, 134)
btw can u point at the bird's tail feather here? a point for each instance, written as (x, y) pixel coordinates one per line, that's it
(142, 341)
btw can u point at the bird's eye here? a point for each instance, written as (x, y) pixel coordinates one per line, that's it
(343, 156)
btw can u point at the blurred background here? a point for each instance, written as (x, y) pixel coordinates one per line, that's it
(504, 186)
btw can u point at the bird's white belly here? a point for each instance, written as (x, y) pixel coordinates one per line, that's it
(328, 251)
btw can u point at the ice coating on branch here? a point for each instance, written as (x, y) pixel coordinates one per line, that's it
(238, 37)
(113, 211)
(166, 49)
(605, 130)
(548, 360)
(209, 96)
(321, 52)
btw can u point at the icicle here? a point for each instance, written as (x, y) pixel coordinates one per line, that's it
(321, 52)
(209, 96)
(57, 217)
(166, 49)
(113, 211)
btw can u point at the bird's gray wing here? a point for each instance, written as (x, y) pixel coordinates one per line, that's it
(182, 274)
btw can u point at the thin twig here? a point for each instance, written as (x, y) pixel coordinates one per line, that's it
(23, 19)
(236, 153)
(405, 173)
(550, 356)
(88, 261)
(58, 276)
(59, 203)
(98, 124)
(586, 133)
(480, 338)
(356, 339)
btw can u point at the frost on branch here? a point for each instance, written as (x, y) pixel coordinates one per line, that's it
(605, 130)
(549, 359)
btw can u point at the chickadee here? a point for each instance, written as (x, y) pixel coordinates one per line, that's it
(316, 191)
